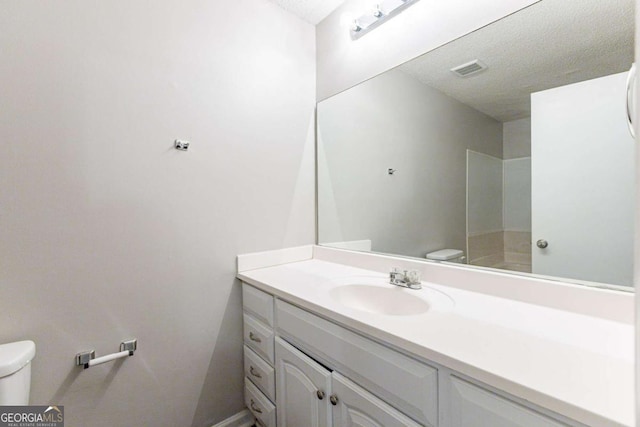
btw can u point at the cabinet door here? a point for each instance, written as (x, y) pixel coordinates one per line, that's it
(356, 407)
(472, 406)
(302, 389)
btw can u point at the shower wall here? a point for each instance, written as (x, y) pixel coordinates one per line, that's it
(517, 213)
(485, 237)
(499, 212)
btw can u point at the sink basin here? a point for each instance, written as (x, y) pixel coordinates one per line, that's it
(390, 300)
(374, 294)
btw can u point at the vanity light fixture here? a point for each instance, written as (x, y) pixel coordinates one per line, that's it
(382, 11)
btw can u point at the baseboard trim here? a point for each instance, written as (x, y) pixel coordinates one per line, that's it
(241, 419)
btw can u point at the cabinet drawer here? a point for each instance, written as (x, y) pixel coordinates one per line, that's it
(258, 337)
(259, 405)
(260, 373)
(405, 383)
(257, 303)
(474, 406)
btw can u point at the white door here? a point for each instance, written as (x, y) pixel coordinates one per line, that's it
(583, 182)
(302, 389)
(356, 407)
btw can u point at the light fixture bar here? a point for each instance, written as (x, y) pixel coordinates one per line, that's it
(382, 12)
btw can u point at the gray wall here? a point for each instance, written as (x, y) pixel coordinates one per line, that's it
(107, 232)
(394, 121)
(517, 138)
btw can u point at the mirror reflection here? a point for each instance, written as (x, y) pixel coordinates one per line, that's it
(508, 148)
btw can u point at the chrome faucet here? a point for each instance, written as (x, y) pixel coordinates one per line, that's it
(406, 278)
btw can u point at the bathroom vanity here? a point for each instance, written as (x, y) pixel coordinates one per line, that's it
(328, 342)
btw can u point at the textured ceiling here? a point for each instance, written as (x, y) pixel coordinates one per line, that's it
(549, 44)
(312, 11)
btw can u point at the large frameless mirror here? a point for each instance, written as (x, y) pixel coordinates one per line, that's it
(508, 148)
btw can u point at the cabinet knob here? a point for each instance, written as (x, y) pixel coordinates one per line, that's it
(320, 394)
(254, 337)
(254, 372)
(333, 399)
(542, 243)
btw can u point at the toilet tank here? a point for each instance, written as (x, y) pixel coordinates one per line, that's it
(449, 255)
(15, 372)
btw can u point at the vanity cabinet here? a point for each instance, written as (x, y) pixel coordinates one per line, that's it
(302, 370)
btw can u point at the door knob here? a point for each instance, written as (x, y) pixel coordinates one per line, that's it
(542, 243)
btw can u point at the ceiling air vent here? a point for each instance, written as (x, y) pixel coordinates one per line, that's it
(468, 69)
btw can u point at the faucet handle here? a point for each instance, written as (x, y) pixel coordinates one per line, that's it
(413, 276)
(394, 275)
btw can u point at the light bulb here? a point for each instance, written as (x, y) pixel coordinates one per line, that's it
(377, 12)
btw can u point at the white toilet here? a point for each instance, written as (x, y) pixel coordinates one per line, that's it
(15, 372)
(449, 255)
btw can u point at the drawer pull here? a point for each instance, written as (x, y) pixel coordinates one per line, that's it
(320, 394)
(333, 399)
(254, 337)
(255, 408)
(254, 372)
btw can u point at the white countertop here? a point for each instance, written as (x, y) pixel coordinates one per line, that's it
(573, 364)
